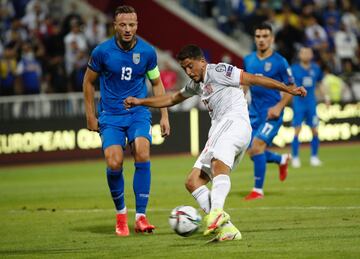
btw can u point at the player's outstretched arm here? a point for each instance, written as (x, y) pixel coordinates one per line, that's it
(155, 101)
(158, 89)
(250, 79)
(89, 94)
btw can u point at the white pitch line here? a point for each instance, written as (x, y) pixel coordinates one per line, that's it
(168, 209)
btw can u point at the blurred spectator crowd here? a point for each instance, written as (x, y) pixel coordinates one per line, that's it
(331, 28)
(43, 53)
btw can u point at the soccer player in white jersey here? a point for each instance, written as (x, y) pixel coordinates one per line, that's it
(219, 88)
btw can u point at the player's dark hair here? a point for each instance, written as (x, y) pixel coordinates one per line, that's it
(263, 26)
(124, 9)
(191, 52)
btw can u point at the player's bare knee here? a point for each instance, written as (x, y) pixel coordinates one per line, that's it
(257, 148)
(255, 151)
(314, 131)
(190, 184)
(114, 163)
(142, 155)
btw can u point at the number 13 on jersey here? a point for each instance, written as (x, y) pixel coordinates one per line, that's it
(126, 73)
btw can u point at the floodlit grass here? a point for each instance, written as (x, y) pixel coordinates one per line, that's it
(65, 210)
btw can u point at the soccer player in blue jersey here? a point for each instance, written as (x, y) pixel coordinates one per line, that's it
(266, 107)
(122, 65)
(307, 74)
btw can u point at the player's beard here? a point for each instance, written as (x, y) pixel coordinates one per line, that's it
(264, 50)
(126, 45)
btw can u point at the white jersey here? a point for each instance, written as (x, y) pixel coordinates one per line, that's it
(230, 131)
(220, 91)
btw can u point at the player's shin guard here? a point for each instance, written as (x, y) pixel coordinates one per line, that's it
(259, 169)
(219, 191)
(115, 180)
(295, 146)
(141, 185)
(202, 196)
(272, 157)
(315, 145)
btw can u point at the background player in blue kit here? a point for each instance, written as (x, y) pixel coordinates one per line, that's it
(122, 64)
(266, 107)
(307, 74)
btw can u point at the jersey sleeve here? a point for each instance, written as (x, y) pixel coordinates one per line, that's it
(95, 61)
(286, 73)
(152, 70)
(246, 61)
(226, 74)
(190, 89)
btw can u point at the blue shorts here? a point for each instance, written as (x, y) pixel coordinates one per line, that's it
(265, 130)
(307, 113)
(116, 129)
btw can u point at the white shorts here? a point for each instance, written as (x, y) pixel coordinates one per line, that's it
(228, 141)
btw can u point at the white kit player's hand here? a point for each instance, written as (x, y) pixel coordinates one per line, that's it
(131, 102)
(165, 127)
(299, 91)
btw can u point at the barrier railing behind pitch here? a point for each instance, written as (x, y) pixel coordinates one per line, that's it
(42, 106)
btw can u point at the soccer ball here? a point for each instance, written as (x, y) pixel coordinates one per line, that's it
(184, 220)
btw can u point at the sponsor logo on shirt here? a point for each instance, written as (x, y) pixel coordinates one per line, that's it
(229, 71)
(136, 58)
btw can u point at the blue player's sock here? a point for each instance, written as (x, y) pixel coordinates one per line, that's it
(295, 146)
(272, 157)
(259, 169)
(115, 180)
(314, 146)
(141, 185)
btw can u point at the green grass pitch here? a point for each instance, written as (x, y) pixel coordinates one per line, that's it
(64, 210)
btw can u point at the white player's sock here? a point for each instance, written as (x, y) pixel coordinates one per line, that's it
(138, 215)
(122, 211)
(258, 190)
(220, 189)
(202, 196)
(284, 158)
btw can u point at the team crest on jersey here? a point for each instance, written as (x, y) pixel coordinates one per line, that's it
(220, 68)
(267, 66)
(136, 58)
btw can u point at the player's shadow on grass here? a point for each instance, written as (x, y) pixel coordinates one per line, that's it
(97, 229)
(242, 194)
(37, 252)
(110, 230)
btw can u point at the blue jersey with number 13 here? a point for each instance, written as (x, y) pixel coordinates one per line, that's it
(122, 74)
